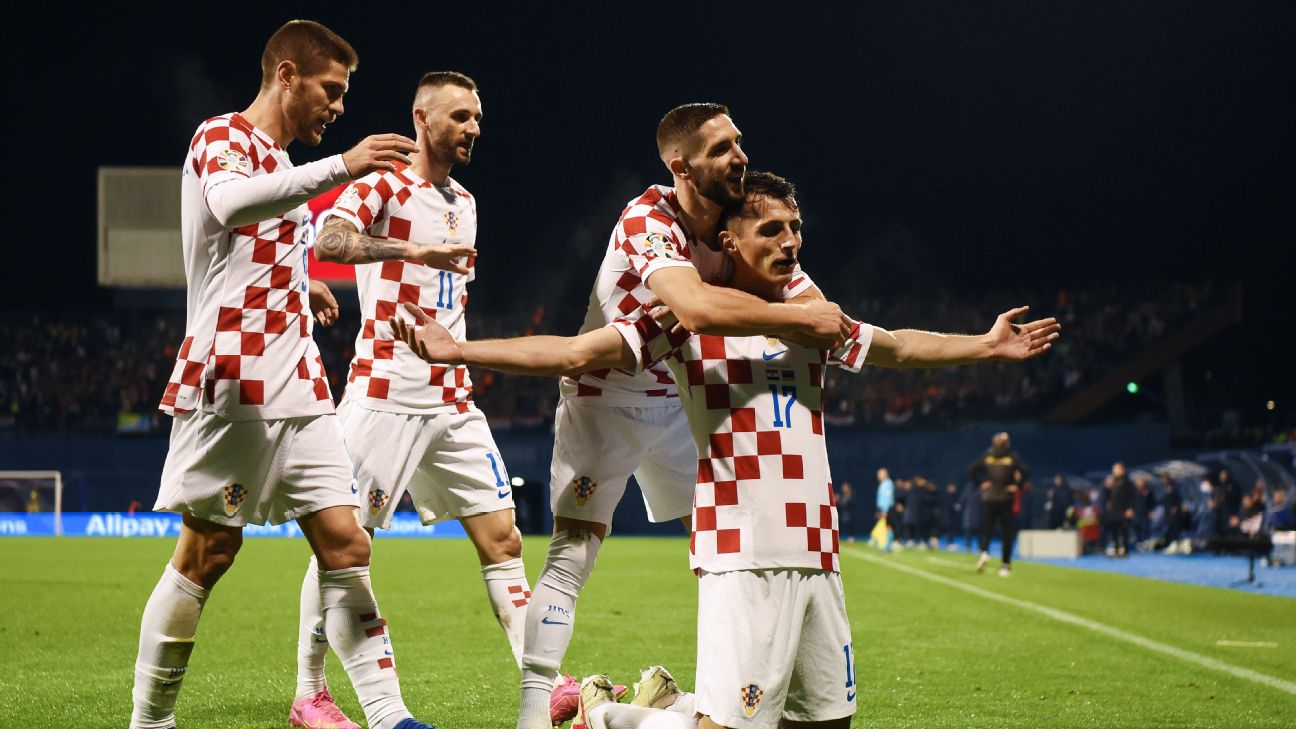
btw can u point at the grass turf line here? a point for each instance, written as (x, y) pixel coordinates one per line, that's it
(927, 655)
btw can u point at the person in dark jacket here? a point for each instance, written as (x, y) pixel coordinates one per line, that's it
(1172, 507)
(951, 514)
(1120, 509)
(970, 501)
(1058, 500)
(1144, 503)
(915, 512)
(998, 474)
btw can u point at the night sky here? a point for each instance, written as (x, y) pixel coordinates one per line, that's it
(1021, 145)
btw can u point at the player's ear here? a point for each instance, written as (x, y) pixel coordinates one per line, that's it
(678, 167)
(727, 242)
(285, 72)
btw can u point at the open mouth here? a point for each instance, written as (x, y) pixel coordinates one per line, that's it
(786, 262)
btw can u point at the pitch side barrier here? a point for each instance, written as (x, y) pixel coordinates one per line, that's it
(164, 524)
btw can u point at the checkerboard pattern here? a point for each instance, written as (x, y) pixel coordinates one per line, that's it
(399, 205)
(649, 236)
(249, 345)
(755, 409)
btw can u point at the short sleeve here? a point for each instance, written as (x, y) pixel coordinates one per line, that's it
(799, 284)
(651, 246)
(361, 203)
(650, 342)
(221, 152)
(852, 352)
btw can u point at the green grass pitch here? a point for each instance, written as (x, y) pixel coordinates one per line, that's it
(928, 653)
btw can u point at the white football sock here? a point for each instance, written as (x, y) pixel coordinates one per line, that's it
(549, 621)
(509, 593)
(625, 716)
(166, 639)
(312, 644)
(358, 635)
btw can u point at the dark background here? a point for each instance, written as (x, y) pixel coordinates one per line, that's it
(957, 146)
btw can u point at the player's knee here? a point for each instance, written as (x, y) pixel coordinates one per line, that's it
(217, 556)
(509, 546)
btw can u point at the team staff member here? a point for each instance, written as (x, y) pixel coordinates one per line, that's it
(999, 474)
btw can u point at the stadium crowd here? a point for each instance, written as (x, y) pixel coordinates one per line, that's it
(1125, 513)
(103, 373)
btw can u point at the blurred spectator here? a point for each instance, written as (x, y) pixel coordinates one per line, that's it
(1144, 503)
(970, 500)
(1279, 517)
(846, 510)
(1058, 500)
(1120, 510)
(885, 495)
(951, 514)
(1229, 495)
(1172, 510)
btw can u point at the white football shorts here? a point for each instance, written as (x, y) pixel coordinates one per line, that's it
(239, 472)
(597, 448)
(448, 462)
(773, 644)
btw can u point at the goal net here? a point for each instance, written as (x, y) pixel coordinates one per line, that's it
(33, 492)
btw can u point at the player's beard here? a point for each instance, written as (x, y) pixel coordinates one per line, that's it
(719, 191)
(446, 147)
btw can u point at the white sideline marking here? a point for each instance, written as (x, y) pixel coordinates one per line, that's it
(1247, 643)
(1065, 617)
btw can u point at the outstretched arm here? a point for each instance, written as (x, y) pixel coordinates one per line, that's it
(911, 348)
(539, 355)
(341, 242)
(707, 309)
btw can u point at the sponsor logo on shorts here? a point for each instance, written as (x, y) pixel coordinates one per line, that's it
(750, 695)
(452, 221)
(547, 621)
(584, 488)
(235, 494)
(503, 493)
(377, 500)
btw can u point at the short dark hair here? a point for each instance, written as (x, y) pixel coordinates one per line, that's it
(760, 184)
(432, 79)
(683, 122)
(309, 45)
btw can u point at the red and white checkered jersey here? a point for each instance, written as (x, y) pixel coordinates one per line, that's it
(648, 237)
(764, 497)
(247, 352)
(401, 206)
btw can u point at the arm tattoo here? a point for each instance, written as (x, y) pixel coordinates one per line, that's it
(340, 241)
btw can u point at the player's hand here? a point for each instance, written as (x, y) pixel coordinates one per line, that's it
(662, 314)
(985, 485)
(824, 320)
(1016, 342)
(429, 340)
(446, 256)
(323, 304)
(378, 152)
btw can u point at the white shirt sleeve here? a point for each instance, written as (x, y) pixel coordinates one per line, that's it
(238, 200)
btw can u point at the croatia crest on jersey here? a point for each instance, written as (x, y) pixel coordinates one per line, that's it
(584, 488)
(451, 221)
(377, 500)
(235, 494)
(751, 695)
